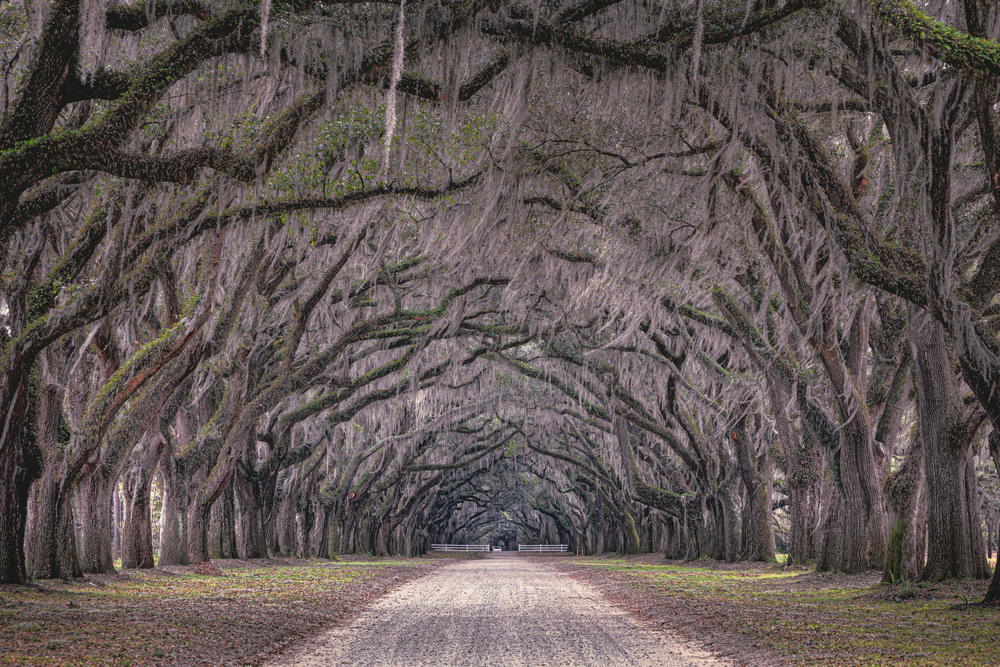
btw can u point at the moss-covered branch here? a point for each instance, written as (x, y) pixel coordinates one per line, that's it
(939, 39)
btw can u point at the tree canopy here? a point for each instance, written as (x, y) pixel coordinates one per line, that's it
(315, 277)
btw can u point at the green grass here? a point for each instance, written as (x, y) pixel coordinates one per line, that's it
(812, 619)
(176, 616)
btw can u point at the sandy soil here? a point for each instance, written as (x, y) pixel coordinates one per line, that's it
(500, 610)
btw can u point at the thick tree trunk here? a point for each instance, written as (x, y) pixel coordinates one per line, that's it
(173, 541)
(631, 545)
(93, 503)
(20, 465)
(52, 542)
(286, 521)
(865, 520)
(804, 502)
(252, 540)
(980, 565)
(993, 592)
(726, 534)
(830, 550)
(953, 552)
(222, 527)
(333, 535)
(197, 532)
(756, 473)
(301, 535)
(319, 542)
(903, 492)
(137, 532)
(802, 475)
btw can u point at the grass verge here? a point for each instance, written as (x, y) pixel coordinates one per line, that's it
(766, 615)
(241, 613)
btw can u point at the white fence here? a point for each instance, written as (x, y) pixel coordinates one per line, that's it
(543, 548)
(460, 547)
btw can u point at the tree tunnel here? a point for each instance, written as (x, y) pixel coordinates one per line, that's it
(310, 278)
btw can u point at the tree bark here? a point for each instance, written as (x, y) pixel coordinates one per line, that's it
(173, 542)
(137, 531)
(756, 473)
(222, 527)
(117, 526)
(946, 442)
(286, 518)
(20, 465)
(93, 502)
(197, 531)
(830, 548)
(253, 543)
(51, 539)
(802, 463)
(903, 492)
(992, 597)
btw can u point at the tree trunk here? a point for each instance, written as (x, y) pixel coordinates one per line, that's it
(865, 520)
(802, 475)
(286, 520)
(726, 534)
(804, 502)
(51, 540)
(173, 542)
(117, 526)
(319, 543)
(93, 502)
(20, 465)
(631, 543)
(222, 527)
(903, 492)
(333, 534)
(301, 535)
(137, 532)
(980, 565)
(252, 540)
(756, 473)
(830, 548)
(946, 442)
(197, 531)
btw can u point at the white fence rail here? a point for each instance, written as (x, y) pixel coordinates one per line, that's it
(543, 548)
(460, 547)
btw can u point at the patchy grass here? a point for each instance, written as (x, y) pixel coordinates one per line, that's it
(175, 616)
(766, 614)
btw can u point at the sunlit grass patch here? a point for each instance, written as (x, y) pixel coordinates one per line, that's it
(814, 619)
(177, 616)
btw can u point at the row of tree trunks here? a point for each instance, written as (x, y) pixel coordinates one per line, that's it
(309, 531)
(954, 519)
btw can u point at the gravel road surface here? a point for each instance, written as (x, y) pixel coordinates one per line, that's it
(502, 610)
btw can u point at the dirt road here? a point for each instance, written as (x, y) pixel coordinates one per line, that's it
(502, 610)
